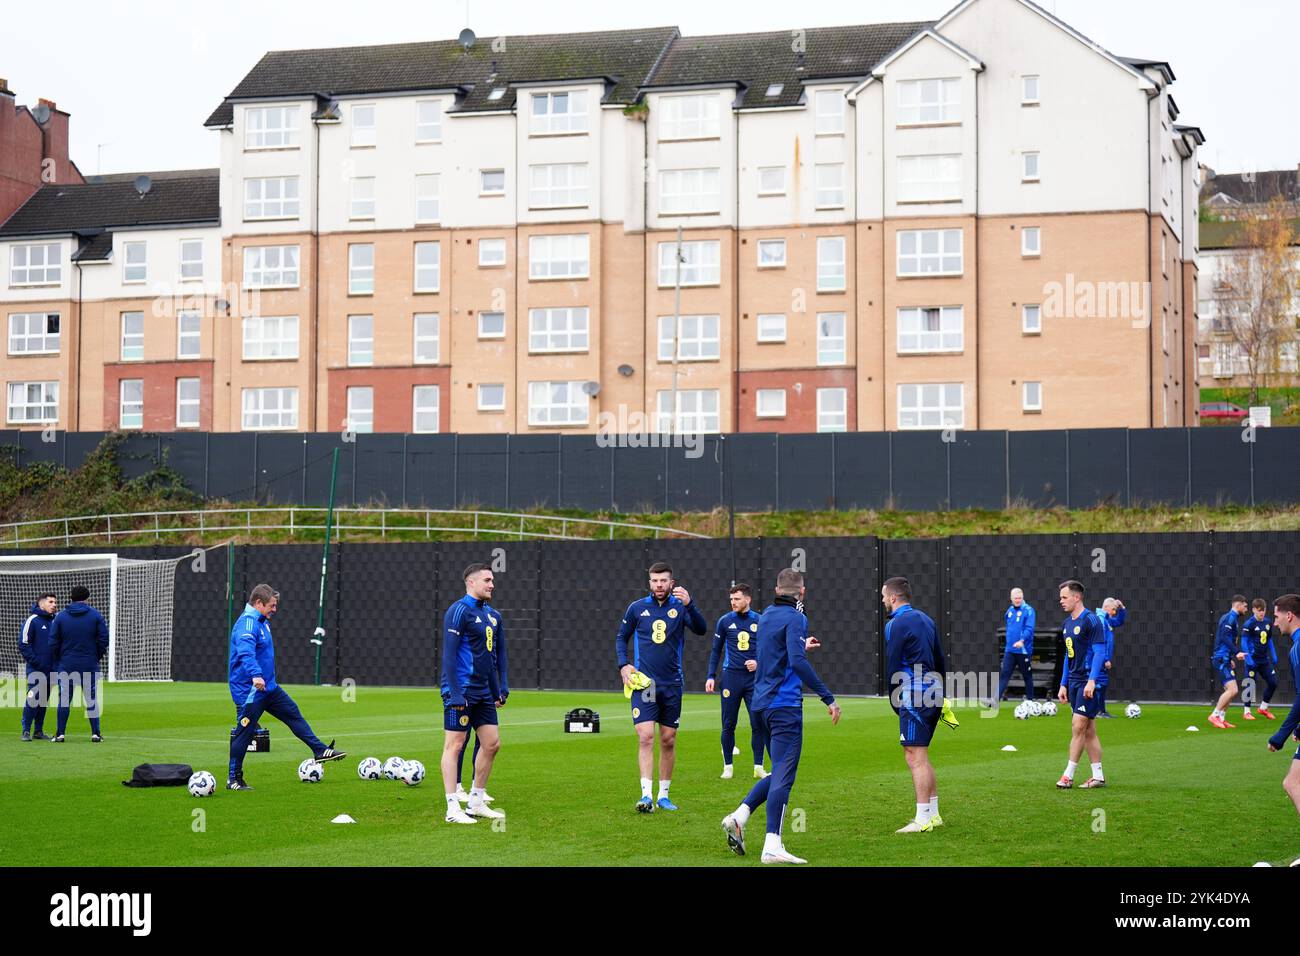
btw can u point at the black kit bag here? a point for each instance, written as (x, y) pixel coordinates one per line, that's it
(160, 775)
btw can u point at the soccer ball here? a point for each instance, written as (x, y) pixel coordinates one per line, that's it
(1035, 709)
(309, 771)
(1022, 711)
(412, 773)
(202, 784)
(1132, 710)
(1049, 709)
(370, 769)
(393, 767)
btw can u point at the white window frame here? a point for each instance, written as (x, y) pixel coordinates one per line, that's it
(829, 122)
(191, 336)
(772, 263)
(483, 175)
(416, 410)
(832, 419)
(269, 338)
(497, 258)
(48, 272)
(361, 341)
(360, 418)
(428, 205)
(361, 274)
(484, 406)
(433, 267)
(187, 404)
(774, 90)
(135, 272)
(435, 125)
(544, 192)
(687, 192)
(1030, 92)
(937, 101)
(924, 178)
(360, 205)
(136, 421)
(771, 190)
(1026, 403)
(125, 335)
(544, 411)
(49, 397)
(832, 349)
(1031, 309)
(944, 414)
(259, 205)
(699, 338)
(770, 336)
(912, 326)
(772, 395)
(426, 320)
(706, 123)
(559, 256)
(829, 278)
(364, 135)
(701, 265)
(25, 338)
(261, 136)
(286, 411)
(189, 262)
(1030, 158)
(929, 263)
(830, 194)
(559, 329)
(259, 275)
(491, 335)
(1035, 250)
(696, 420)
(549, 122)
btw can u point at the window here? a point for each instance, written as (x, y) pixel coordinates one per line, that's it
(771, 327)
(696, 412)
(830, 186)
(697, 338)
(769, 403)
(559, 257)
(191, 259)
(929, 178)
(559, 113)
(774, 90)
(831, 338)
(426, 197)
(771, 180)
(701, 262)
(491, 252)
(496, 94)
(34, 333)
(1032, 397)
(361, 340)
(270, 127)
(689, 191)
(427, 330)
(362, 204)
(132, 336)
(492, 182)
(271, 198)
(492, 325)
(929, 252)
(270, 409)
(424, 420)
(428, 266)
(1031, 319)
(131, 403)
(931, 406)
(1029, 90)
(558, 330)
(690, 117)
(270, 337)
(830, 264)
(1029, 170)
(428, 121)
(33, 402)
(557, 403)
(830, 111)
(771, 253)
(189, 334)
(36, 265)
(930, 329)
(361, 268)
(187, 403)
(492, 398)
(361, 409)
(135, 262)
(929, 101)
(363, 125)
(557, 184)
(832, 409)
(271, 267)
(1031, 242)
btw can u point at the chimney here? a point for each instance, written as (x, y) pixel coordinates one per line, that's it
(50, 103)
(4, 87)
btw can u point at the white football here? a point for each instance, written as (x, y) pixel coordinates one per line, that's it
(1022, 711)
(393, 767)
(1132, 710)
(310, 771)
(1049, 708)
(1035, 709)
(370, 769)
(202, 784)
(412, 773)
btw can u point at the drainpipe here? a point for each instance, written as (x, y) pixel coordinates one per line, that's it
(75, 424)
(312, 373)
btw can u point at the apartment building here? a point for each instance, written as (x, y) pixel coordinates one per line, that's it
(986, 221)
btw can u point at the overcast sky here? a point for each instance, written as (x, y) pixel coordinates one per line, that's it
(140, 77)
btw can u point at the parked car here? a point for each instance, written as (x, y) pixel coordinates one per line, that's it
(1225, 410)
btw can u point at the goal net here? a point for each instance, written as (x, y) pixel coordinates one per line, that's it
(135, 597)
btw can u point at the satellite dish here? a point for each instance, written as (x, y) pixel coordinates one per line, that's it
(143, 184)
(591, 388)
(41, 114)
(625, 370)
(466, 38)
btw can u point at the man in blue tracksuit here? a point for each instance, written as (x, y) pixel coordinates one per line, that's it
(1112, 615)
(499, 655)
(1019, 619)
(1227, 636)
(78, 642)
(1261, 660)
(656, 627)
(473, 688)
(253, 687)
(1286, 618)
(783, 670)
(1085, 650)
(734, 648)
(34, 645)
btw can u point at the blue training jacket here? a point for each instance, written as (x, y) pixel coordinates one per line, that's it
(733, 642)
(783, 666)
(34, 641)
(473, 654)
(914, 661)
(1293, 717)
(78, 638)
(1256, 642)
(1225, 638)
(1108, 624)
(1020, 627)
(658, 634)
(252, 654)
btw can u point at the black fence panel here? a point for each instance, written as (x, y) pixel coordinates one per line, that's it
(281, 469)
(378, 476)
(806, 473)
(1276, 466)
(232, 467)
(694, 476)
(78, 447)
(920, 469)
(482, 466)
(1038, 470)
(1158, 466)
(978, 463)
(1258, 564)
(319, 454)
(187, 454)
(1221, 464)
(751, 471)
(1098, 460)
(861, 470)
(138, 454)
(430, 471)
(534, 472)
(586, 473)
(639, 475)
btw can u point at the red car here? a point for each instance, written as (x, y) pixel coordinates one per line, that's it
(1225, 410)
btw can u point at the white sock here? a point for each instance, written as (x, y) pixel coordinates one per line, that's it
(452, 802)
(741, 814)
(758, 767)
(475, 796)
(922, 812)
(1070, 767)
(1245, 709)
(1096, 772)
(646, 786)
(1218, 713)
(934, 805)
(773, 843)
(663, 788)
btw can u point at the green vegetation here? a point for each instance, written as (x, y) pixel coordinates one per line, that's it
(1285, 403)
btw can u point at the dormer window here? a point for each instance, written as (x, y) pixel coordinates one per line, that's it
(496, 94)
(774, 90)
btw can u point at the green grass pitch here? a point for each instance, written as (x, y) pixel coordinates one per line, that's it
(1174, 798)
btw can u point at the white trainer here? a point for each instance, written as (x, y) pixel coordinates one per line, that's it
(781, 856)
(461, 795)
(459, 816)
(915, 826)
(726, 772)
(484, 811)
(735, 751)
